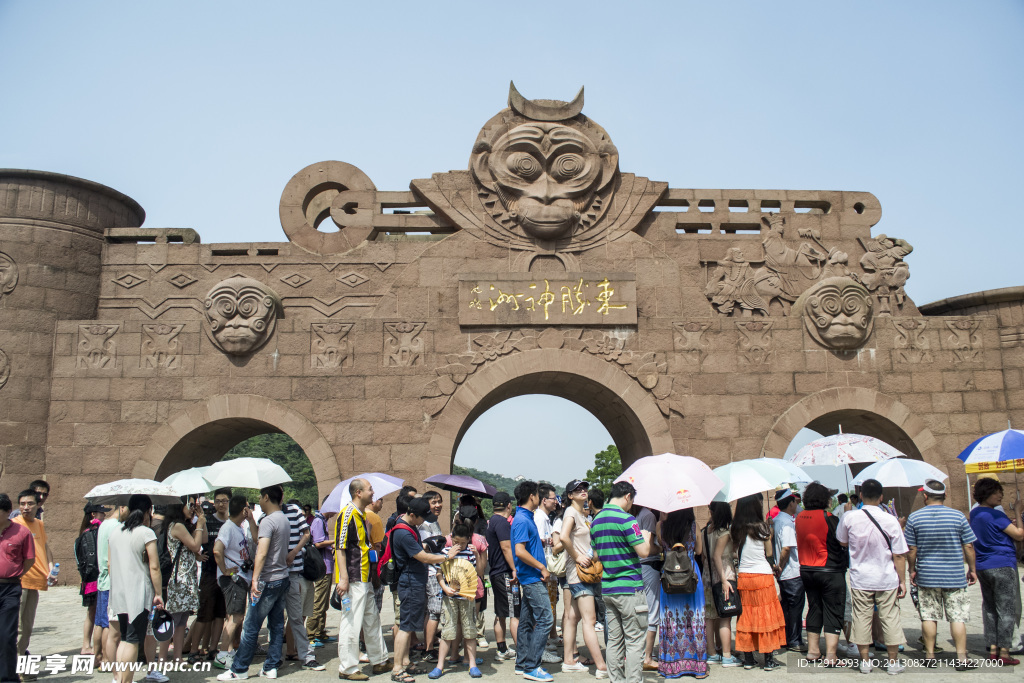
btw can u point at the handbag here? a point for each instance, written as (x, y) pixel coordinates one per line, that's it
(592, 572)
(556, 564)
(727, 608)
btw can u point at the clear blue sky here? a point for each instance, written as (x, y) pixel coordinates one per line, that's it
(202, 111)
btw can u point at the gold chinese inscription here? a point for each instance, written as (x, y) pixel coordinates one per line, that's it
(524, 299)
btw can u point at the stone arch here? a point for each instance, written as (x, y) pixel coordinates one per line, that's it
(856, 410)
(205, 432)
(626, 409)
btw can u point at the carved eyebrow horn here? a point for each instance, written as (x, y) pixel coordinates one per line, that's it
(544, 110)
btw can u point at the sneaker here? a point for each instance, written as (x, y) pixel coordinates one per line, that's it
(1009, 661)
(865, 666)
(848, 650)
(920, 639)
(268, 673)
(230, 675)
(156, 677)
(313, 665)
(435, 674)
(600, 673)
(474, 672)
(364, 658)
(770, 663)
(550, 658)
(895, 667)
(331, 639)
(223, 660)
(731, 661)
(538, 674)
(316, 642)
(599, 626)
(518, 672)
(482, 643)
(505, 656)
(715, 659)
(574, 668)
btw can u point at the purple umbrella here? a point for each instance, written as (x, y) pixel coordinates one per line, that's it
(461, 483)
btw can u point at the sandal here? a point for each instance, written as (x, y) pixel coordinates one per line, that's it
(414, 670)
(585, 661)
(403, 677)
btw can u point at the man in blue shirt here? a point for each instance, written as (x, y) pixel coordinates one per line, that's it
(939, 539)
(535, 618)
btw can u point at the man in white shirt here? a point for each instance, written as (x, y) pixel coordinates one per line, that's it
(542, 516)
(791, 586)
(233, 552)
(877, 574)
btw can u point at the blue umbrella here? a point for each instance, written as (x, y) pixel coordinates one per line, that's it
(999, 447)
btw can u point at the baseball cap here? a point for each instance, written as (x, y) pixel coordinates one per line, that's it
(575, 484)
(783, 495)
(502, 500)
(419, 507)
(163, 625)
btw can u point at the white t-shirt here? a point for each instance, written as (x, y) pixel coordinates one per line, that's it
(237, 548)
(785, 529)
(871, 566)
(752, 558)
(544, 529)
(131, 584)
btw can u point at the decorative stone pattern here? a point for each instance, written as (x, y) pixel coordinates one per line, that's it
(97, 348)
(755, 342)
(160, 346)
(5, 368)
(912, 346)
(964, 340)
(838, 313)
(885, 270)
(241, 314)
(8, 275)
(328, 346)
(689, 340)
(403, 346)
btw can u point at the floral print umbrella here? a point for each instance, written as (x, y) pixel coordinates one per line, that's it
(118, 492)
(843, 449)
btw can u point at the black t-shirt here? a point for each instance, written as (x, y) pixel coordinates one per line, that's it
(213, 526)
(405, 547)
(498, 530)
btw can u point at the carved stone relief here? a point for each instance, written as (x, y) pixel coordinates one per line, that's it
(5, 369)
(241, 314)
(295, 280)
(755, 341)
(837, 312)
(160, 346)
(328, 346)
(404, 346)
(182, 280)
(732, 286)
(128, 280)
(885, 271)
(689, 341)
(964, 342)
(647, 369)
(911, 345)
(97, 348)
(8, 275)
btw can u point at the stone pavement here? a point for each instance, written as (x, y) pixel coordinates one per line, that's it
(60, 618)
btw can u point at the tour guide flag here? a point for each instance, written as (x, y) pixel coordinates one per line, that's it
(999, 452)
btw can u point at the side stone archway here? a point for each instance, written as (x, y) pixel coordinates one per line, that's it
(626, 409)
(204, 433)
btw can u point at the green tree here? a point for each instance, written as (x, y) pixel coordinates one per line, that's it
(607, 467)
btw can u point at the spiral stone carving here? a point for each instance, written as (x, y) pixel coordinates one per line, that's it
(838, 313)
(241, 314)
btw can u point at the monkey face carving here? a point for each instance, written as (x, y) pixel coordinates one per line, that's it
(241, 314)
(8, 274)
(838, 312)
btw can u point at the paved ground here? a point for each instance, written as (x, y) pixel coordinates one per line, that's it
(59, 631)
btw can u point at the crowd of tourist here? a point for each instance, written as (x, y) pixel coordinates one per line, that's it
(819, 576)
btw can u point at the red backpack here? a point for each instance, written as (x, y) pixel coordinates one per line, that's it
(387, 569)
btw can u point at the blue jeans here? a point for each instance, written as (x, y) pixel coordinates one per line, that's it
(534, 625)
(270, 607)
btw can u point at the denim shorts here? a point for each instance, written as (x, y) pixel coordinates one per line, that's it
(580, 589)
(102, 603)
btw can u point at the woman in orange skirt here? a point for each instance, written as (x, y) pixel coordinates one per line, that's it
(761, 626)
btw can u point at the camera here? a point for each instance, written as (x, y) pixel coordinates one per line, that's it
(208, 508)
(246, 566)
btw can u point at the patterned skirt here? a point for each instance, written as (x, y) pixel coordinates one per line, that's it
(684, 646)
(762, 626)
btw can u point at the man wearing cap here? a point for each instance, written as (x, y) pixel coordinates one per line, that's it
(940, 538)
(791, 586)
(503, 575)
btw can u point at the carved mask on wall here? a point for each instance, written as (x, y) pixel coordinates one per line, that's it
(547, 164)
(8, 274)
(241, 314)
(838, 312)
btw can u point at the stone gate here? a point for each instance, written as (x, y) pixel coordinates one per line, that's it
(714, 323)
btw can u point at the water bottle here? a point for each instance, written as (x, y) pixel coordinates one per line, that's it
(257, 592)
(51, 580)
(346, 603)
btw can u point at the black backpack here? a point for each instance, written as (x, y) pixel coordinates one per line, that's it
(313, 566)
(678, 574)
(87, 555)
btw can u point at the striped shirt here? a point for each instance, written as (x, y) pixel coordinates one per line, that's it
(939, 533)
(615, 534)
(297, 528)
(352, 545)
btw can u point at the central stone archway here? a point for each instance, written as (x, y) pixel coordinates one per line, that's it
(627, 411)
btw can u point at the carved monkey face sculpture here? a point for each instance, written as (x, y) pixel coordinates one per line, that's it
(838, 312)
(546, 174)
(241, 313)
(8, 274)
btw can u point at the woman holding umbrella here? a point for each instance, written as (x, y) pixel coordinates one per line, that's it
(996, 560)
(762, 625)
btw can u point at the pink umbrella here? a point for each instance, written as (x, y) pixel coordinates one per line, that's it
(670, 482)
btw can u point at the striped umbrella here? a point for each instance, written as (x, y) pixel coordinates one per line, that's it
(1002, 451)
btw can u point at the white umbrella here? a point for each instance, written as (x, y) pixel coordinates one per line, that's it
(900, 472)
(118, 492)
(382, 484)
(843, 449)
(669, 482)
(190, 481)
(796, 473)
(246, 473)
(747, 477)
